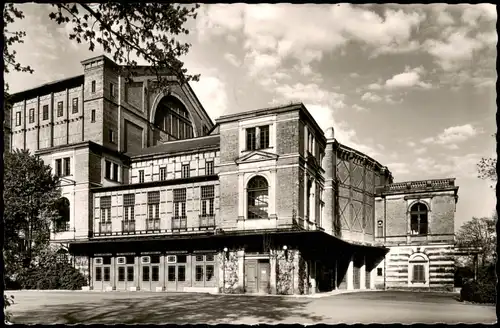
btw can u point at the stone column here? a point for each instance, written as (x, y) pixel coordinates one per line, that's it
(373, 274)
(295, 272)
(313, 277)
(241, 270)
(350, 275)
(162, 272)
(222, 272)
(362, 275)
(112, 273)
(272, 264)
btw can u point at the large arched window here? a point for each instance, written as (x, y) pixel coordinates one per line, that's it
(63, 211)
(172, 118)
(418, 269)
(418, 217)
(258, 198)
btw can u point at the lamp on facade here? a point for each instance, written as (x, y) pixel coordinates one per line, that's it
(285, 249)
(224, 258)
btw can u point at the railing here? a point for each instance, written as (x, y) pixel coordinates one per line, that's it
(207, 221)
(105, 227)
(152, 224)
(420, 184)
(128, 225)
(61, 227)
(179, 222)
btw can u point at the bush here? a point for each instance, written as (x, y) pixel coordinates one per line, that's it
(59, 276)
(480, 291)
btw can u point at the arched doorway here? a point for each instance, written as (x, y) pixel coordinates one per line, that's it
(172, 121)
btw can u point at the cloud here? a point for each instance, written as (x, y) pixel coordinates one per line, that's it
(398, 168)
(371, 97)
(232, 59)
(212, 93)
(354, 75)
(410, 78)
(311, 94)
(444, 18)
(359, 108)
(472, 14)
(463, 166)
(420, 151)
(374, 86)
(411, 144)
(453, 135)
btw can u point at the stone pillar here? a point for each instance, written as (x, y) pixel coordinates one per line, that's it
(241, 270)
(113, 272)
(295, 272)
(272, 264)
(313, 277)
(350, 275)
(162, 272)
(222, 272)
(373, 274)
(362, 274)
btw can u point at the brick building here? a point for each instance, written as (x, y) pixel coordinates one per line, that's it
(157, 197)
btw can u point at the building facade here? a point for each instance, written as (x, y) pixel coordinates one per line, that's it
(158, 197)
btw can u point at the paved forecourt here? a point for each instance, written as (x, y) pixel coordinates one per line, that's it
(46, 307)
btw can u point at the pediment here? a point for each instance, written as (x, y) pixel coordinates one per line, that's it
(256, 156)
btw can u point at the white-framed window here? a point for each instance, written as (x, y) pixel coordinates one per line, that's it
(141, 176)
(163, 173)
(18, 118)
(418, 270)
(112, 171)
(257, 137)
(257, 198)
(185, 171)
(209, 168)
(419, 219)
(207, 200)
(32, 115)
(63, 167)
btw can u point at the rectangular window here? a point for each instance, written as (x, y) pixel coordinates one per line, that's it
(112, 89)
(115, 172)
(130, 273)
(121, 273)
(264, 137)
(155, 273)
(207, 200)
(107, 172)
(171, 273)
(106, 274)
(111, 135)
(74, 107)
(163, 173)
(18, 118)
(93, 87)
(185, 171)
(181, 273)
(106, 209)
(145, 273)
(45, 112)
(141, 176)
(379, 272)
(32, 115)
(199, 273)
(67, 166)
(154, 205)
(128, 212)
(60, 109)
(419, 273)
(59, 167)
(98, 274)
(209, 258)
(251, 139)
(209, 270)
(209, 168)
(92, 116)
(199, 258)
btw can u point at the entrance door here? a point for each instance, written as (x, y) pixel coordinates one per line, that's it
(263, 276)
(251, 276)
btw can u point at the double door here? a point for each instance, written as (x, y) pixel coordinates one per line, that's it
(125, 277)
(257, 276)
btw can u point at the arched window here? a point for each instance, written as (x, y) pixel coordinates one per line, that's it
(418, 268)
(418, 217)
(172, 118)
(63, 211)
(258, 198)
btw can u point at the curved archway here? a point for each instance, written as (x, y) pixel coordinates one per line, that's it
(257, 198)
(419, 219)
(172, 120)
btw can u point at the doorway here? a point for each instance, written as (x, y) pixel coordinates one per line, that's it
(257, 276)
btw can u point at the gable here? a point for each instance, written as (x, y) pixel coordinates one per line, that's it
(256, 156)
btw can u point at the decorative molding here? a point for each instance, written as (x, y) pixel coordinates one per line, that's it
(256, 156)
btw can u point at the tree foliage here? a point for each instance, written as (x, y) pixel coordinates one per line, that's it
(487, 168)
(479, 233)
(146, 30)
(31, 195)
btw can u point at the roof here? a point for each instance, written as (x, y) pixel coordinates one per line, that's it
(178, 146)
(67, 82)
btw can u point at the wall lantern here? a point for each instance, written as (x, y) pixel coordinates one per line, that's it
(285, 248)
(226, 253)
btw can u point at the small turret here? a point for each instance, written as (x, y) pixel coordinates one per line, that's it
(330, 133)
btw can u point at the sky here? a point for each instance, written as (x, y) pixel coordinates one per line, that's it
(412, 86)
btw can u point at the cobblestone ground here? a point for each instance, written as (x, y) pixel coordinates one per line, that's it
(39, 307)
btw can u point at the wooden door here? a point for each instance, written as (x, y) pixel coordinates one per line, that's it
(121, 283)
(171, 277)
(263, 276)
(251, 285)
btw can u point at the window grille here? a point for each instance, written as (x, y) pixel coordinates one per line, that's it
(180, 195)
(185, 171)
(209, 168)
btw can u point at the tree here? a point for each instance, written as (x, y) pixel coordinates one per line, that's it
(146, 30)
(487, 168)
(31, 195)
(479, 233)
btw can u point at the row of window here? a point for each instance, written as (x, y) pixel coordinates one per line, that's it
(257, 137)
(45, 112)
(185, 170)
(179, 199)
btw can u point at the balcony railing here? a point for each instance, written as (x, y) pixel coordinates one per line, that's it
(128, 225)
(179, 222)
(105, 227)
(152, 224)
(207, 221)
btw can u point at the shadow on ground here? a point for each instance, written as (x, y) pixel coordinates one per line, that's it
(186, 308)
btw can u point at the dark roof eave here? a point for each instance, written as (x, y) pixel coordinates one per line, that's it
(69, 82)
